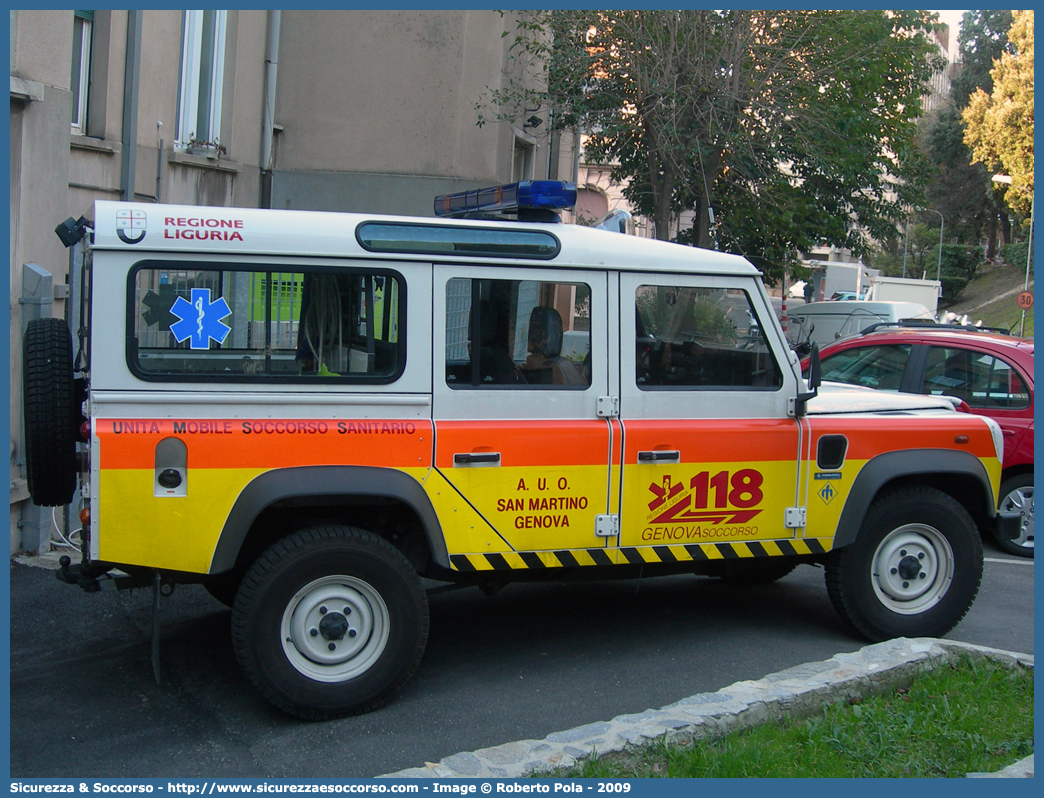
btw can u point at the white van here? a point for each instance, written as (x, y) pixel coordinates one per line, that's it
(823, 322)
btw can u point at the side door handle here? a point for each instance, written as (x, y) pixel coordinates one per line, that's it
(465, 459)
(659, 456)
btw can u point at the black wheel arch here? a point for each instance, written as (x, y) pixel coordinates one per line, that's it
(959, 474)
(330, 483)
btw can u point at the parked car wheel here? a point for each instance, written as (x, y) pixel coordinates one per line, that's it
(914, 569)
(1017, 496)
(330, 621)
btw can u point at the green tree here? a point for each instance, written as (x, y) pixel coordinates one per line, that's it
(983, 39)
(960, 189)
(959, 264)
(1000, 124)
(780, 129)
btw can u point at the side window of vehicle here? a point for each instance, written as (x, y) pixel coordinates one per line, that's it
(878, 367)
(517, 333)
(244, 324)
(980, 379)
(702, 338)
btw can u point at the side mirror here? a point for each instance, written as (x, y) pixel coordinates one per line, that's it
(815, 369)
(815, 379)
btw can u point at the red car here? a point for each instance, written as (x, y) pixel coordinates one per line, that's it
(990, 371)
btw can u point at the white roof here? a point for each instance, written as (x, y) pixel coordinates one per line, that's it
(196, 229)
(847, 307)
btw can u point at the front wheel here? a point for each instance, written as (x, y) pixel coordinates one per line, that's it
(1017, 497)
(330, 621)
(914, 569)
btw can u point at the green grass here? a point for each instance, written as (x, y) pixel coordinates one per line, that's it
(1005, 314)
(978, 298)
(973, 715)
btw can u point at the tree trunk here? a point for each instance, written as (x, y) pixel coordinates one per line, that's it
(662, 218)
(1005, 229)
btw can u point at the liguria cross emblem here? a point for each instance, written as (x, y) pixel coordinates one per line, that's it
(200, 320)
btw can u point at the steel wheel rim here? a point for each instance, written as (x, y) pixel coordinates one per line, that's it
(335, 628)
(1020, 500)
(913, 568)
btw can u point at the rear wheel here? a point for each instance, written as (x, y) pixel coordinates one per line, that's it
(330, 621)
(1017, 496)
(914, 569)
(51, 415)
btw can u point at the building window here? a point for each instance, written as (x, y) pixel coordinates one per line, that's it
(591, 204)
(80, 80)
(202, 71)
(522, 160)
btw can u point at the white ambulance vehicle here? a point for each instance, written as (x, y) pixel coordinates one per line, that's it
(308, 412)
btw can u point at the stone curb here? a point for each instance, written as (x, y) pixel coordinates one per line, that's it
(801, 690)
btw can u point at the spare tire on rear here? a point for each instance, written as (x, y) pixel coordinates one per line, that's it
(50, 412)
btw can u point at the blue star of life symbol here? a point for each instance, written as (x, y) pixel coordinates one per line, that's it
(200, 319)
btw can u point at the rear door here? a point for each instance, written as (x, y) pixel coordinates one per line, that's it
(989, 383)
(522, 457)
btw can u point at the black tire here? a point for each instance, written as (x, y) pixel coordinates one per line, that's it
(759, 572)
(50, 411)
(914, 569)
(1017, 496)
(282, 628)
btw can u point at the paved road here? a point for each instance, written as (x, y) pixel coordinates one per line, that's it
(531, 660)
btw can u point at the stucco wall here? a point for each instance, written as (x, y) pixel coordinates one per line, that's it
(359, 192)
(388, 92)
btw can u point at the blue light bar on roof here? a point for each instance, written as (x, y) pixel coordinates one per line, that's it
(527, 195)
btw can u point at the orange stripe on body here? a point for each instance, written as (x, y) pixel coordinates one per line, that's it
(716, 440)
(868, 437)
(525, 443)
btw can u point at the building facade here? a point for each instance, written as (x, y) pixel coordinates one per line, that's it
(312, 110)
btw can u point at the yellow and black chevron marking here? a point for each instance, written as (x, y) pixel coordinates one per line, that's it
(693, 552)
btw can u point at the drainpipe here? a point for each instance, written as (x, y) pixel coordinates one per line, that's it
(576, 155)
(268, 117)
(132, 76)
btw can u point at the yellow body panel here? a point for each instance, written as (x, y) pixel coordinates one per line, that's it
(533, 508)
(701, 503)
(179, 533)
(463, 528)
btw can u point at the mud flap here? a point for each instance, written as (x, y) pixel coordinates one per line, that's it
(156, 625)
